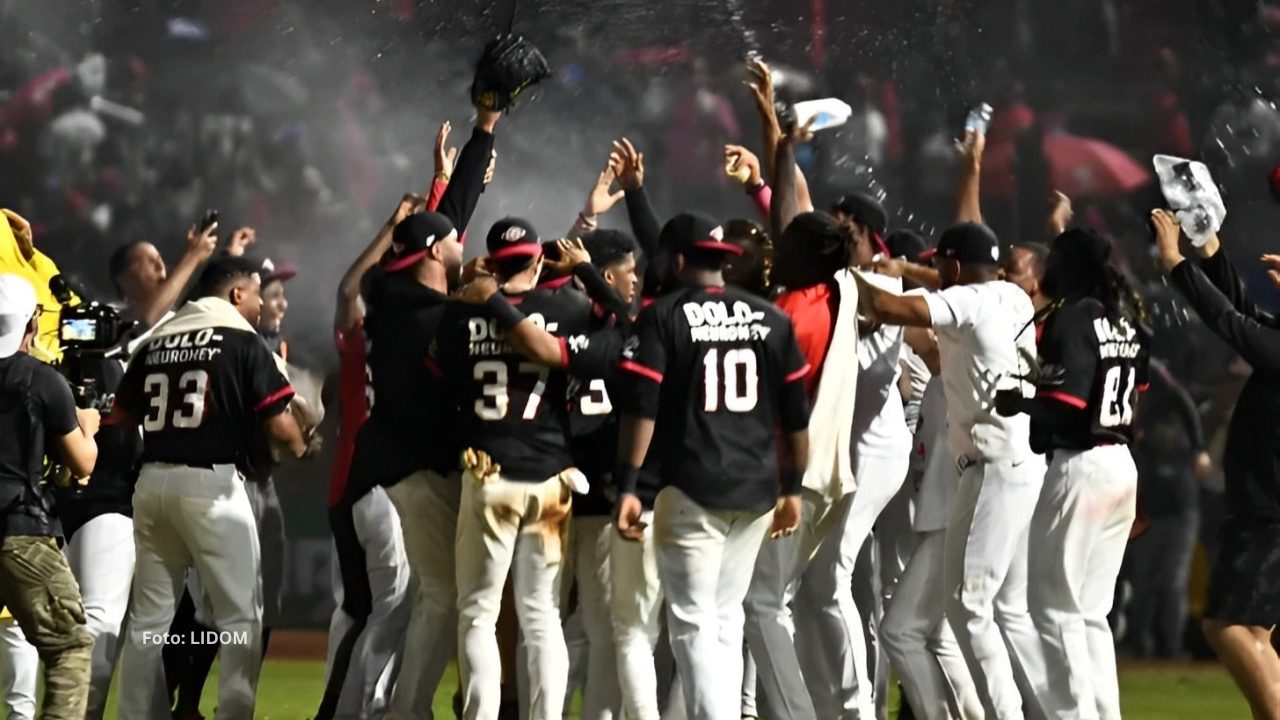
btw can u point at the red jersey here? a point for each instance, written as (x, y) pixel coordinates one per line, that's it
(813, 314)
(353, 402)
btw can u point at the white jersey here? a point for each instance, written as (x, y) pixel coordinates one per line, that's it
(918, 376)
(932, 463)
(981, 329)
(879, 426)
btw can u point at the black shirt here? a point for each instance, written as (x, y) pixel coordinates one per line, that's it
(55, 409)
(1251, 461)
(510, 407)
(593, 425)
(411, 424)
(1104, 365)
(718, 369)
(201, 396)
(110, 488)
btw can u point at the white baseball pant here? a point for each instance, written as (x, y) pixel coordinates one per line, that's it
(1082, 527)
(749, 675)
(101, 555)
(829, 628)
(589, 541)
(894, 540)
(705, 559)
(636, 599)
(769, 627)
(19, 672)
(427, 505)
(192, 517)
(920, 643)
(989, 522)
(511, 527)
(376, 656)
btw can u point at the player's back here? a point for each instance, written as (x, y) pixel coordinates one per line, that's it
(514, 409)
(722, 357)
(198, 395)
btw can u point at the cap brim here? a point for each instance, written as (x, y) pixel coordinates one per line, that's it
(283, 274)
(519, 250)
(724, 247)
(400, 263)
(927, 254)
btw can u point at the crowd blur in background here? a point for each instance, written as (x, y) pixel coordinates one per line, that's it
(124, 120)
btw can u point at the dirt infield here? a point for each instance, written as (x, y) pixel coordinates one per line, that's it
(297, 645)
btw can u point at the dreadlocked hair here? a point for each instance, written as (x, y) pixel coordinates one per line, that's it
(1122, 300)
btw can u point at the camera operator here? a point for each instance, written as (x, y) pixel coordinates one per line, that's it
(36, 583)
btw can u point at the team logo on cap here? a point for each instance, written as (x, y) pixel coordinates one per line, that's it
(995, 253)
(514, 233)
(717, 234)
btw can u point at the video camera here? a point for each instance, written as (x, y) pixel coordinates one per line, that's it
(91, 335)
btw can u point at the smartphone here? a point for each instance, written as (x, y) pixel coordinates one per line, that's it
(209, 220)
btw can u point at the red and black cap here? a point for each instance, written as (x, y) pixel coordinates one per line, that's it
(272, 272)
(970, 244)
(512, 237)
(414, 235)
(690, 231)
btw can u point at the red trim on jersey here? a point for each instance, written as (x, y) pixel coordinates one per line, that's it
(646, 302)
(353, 405)
(638, 369)
(116, 418)
(564, 352)
(1144, 387)
(432, 366)
(714, 290)
(1062, 397)
(798, 374)
(268, 401)
(558, 282)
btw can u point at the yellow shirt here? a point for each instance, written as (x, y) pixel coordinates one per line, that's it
(37, 271)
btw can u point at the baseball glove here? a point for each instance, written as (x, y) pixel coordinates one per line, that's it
(508, 65)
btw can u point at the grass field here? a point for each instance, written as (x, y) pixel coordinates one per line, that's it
(291, 690)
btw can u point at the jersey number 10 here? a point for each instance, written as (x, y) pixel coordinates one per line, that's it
(740, 383)
(189, 412)
(1117, 401)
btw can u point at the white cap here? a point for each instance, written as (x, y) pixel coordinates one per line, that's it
(17, 305)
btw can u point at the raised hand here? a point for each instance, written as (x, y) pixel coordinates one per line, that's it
(201, 245)
(602, 199)
(742, 165)
(408, 205)
(1273, 268)
(444, 155)
(761, 84)
(971, 147)
(630, 163)
(1167, 231)
(240, 241)
(572, 254)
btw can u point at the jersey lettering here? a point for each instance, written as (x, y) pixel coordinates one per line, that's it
(596, 400)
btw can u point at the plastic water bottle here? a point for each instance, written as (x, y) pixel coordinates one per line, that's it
(979, 118)
(825, 113)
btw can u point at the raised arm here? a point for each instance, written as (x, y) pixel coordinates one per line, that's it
(968, 197)
(761, 84)
(644, 222)
(200, 247)
(347, 311)
(783, 207)
(600, 199)
(467, 181)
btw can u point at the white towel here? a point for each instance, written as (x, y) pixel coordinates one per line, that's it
(830, 470)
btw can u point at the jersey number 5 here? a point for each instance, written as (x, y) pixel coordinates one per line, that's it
(1117, 401)
(190, 411)
(741, 378)
(493, 401)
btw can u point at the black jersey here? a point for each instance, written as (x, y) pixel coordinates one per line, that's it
(201, 395)
(593, 425)
(411, 417)
(1104, 366)
(719, 370)
(512, 408)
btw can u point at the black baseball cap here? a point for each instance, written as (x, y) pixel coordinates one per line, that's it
(691, 231)
(864, 210)
(970, 244)
(512, 237)
(414, 235)
(908, 244)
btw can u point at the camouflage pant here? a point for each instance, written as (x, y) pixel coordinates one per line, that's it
(37, 586)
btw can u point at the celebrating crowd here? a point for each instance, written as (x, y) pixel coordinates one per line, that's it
(757, 466)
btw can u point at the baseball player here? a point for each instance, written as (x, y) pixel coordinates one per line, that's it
(518, 475)
(715, 371)
(1093, 356)
(200, 387)
(982, 325)
(605, 264)
(919, 643)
